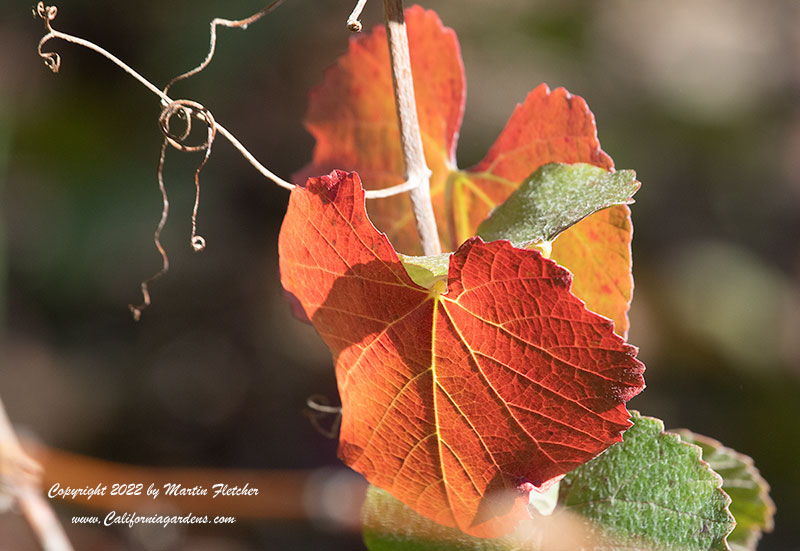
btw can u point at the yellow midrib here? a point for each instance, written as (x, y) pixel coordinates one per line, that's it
(436, 424)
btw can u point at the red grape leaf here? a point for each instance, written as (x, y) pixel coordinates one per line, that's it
(461, 398)
(352, 117)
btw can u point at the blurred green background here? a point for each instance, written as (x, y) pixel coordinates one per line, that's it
(701, 98)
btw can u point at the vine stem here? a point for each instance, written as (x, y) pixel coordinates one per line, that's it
(19, 474)
(417, 172)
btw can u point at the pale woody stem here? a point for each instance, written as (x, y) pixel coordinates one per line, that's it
(410, 135)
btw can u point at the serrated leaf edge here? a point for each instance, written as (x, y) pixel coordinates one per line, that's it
(751, 469)
(718, 477)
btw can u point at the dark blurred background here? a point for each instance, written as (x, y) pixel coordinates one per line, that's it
(701, 98)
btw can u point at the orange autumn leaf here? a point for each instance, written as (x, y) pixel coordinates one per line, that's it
(461, 398)
(352, 117)
(555, 126)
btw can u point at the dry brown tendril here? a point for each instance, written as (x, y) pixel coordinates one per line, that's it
(185, 110)
(47, 14)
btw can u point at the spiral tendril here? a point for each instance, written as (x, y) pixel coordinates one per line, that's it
(47, 13)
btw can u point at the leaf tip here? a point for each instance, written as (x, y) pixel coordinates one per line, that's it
(296, 307)
(327, 186)
(333, 179)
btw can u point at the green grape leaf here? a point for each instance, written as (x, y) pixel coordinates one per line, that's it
(751, 505)
(555, 197)
(652, 491)
(389, 525)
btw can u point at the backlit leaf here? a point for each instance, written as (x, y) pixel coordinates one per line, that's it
(458, 399)
(751, 505)
(652, 491)
(352, 117)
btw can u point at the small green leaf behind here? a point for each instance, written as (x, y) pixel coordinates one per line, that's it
(389, 525)
(426, 270)
(651, 491)
(554, 198)
(751, 505)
